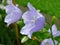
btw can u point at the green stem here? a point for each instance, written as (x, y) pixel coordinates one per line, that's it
(17, 35)
(16, 26)
(51, 32)
(52, 35)
(14, 2)
(36, 39)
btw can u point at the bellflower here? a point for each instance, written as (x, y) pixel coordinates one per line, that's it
(33, 20)
(13, 13)
(48, 42)
(55, 32)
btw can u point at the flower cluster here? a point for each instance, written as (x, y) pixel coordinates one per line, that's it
(33, 20)
(55, 33)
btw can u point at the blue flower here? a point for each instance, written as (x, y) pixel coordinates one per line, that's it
(48, 42)
(55, 32)
(34, 21)
(13, 14)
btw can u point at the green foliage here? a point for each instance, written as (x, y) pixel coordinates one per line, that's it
(7, 35)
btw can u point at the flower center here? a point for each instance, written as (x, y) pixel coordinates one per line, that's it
(34, 19)
(47, 43)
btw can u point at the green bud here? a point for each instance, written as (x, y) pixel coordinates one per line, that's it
(24, 39)
(38, 10)
(53, 20)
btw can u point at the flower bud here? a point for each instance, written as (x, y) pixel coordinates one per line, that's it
(53, 20)
(24, 39)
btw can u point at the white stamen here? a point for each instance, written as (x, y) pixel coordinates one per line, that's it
(47, 43)
(34, 18)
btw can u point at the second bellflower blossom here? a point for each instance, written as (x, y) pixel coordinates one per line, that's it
(48, 42)
(13, 13)
(33, 20)
(55, 32)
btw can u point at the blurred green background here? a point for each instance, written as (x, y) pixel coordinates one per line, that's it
(50, 7)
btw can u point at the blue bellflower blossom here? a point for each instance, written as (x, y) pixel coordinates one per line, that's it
(55, 32)
(33, 20)
(48, 42)
(13, 14)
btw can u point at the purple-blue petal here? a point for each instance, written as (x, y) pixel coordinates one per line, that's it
(55, 32)
(44, 42)
(26, 30)
(28, 16)
(39, 24)
(12, 17)
(48, 42)
(31, 8)
(13, 14)
(54, 29)
(10, 8)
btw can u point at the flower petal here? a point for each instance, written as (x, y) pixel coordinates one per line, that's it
(28, 16)
(50, 41)
(26, 30)
(10, 8)
(12, 17)
(31, 8)
(44, 42)
(54, 29)
(49, 30)
(47, 42)
(39, 24)
(57, 34)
